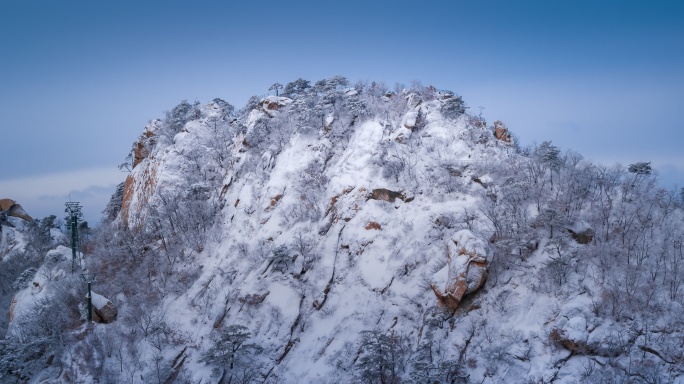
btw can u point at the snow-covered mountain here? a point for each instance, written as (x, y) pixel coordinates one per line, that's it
(341, 234)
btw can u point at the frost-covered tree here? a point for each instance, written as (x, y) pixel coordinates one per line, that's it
(231, 351)
(179, 115)
(281, 259)
(261, 135)
(296, 88)
(225, 108)
(642, 168)
(548, 155)
(453, 107)
(382, 358)
(114, 205)
(252, 103)
(430, 364)
(276, 87)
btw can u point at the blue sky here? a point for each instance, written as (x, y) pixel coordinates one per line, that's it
(80, 79)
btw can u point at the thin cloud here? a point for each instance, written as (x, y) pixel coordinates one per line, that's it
(45, 195)
(82, 194)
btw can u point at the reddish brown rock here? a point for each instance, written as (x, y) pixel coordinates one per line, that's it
(501, 131)
(13, 209)
(6, 204)
(373, 225)
(11, 308)
(106, 314)
(387, 195)
(138, 189)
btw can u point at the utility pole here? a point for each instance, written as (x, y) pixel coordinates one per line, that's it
(74, 210)
(90, 304)
(89, 279)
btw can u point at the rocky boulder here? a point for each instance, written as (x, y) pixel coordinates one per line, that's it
(466, 270)
(274, 103)
(11, 208)
(501, 131)
(104, 311)
(581, 232)
(571, 334)
(388, 195)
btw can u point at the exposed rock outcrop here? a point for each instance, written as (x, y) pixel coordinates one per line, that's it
(571, 334)
(501, 131)
(274, 103)
(6, 204)
(346, 205)
(467, 268)
(583, 237)
(141, 147)
(139, 153)
(11, 208)
(12, 307)
(139, 188)
(389, 196)
(373, 225)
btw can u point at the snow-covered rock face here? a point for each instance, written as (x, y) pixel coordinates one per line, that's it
(13, 219)
(352, 208)
(32, 289)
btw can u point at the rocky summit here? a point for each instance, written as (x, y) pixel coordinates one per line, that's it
(349, 233)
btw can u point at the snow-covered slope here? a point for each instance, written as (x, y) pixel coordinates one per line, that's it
(362, 248)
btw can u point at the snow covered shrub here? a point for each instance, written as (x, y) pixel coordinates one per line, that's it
(281, 259)
(181, 114)
(560, 264)
(19, 356)
(37, 335)
(259, 136)
(392, 169)
(10, 270)
(23, 280)
(219, 141)
(391, 164)
(183, 220)
(304, 245)
(447, 176)
(304, 208)
(431, 363)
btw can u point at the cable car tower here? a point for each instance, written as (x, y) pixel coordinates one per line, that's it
(74, 210)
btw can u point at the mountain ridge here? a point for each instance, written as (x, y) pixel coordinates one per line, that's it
(338, 233)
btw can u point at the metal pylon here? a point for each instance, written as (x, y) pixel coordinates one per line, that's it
(74, 210)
